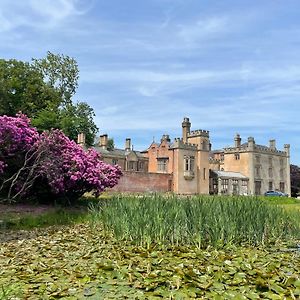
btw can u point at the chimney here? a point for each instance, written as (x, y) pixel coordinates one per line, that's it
(287, 149)
(103, 141)
(272, 144)
(165, 137)
(186, 128)
(237, 141)
(251, 143)
(128, 144)
(81, 139)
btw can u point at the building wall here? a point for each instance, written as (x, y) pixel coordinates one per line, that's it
(183, 183)
(143, 182)
(261, 165)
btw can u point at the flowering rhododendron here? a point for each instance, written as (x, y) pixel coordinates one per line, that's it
(30, 161)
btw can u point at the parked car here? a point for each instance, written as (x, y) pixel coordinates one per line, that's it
(275, 194)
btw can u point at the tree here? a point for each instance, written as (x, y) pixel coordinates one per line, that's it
(48, 165)
(22, 89)
(61, 72)
(110, 144)
(43, 90)
(79, 118)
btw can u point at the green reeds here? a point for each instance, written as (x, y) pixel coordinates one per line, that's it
(200, 221)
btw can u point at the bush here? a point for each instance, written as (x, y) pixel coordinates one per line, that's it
(48, 165)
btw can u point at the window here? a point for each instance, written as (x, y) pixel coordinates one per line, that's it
(257, 171)
(270, 172)
(270, 161)
(131, 165)
(281, 186)
(257, 159)
(204, 173)
(189, 162)
(237, 156)
(114, 161)
(281, 173)
(281, 162)
(270, 185)
(244, 182)
(224, 186)
(162, 164)
(141, 166)
(235, 182)
(222, 156)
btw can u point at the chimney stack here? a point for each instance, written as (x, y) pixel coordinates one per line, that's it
(165, 137)
(128, 144)
(251, 143)
(237, 141)
(103, 141)
(272, 144)
(81, 139)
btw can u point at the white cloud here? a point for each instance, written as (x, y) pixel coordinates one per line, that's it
(38, 14)
(203, 29)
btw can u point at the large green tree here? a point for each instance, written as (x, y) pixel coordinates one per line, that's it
(22, 88)
(43, 90)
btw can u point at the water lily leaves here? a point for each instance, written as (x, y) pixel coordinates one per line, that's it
(81, 262)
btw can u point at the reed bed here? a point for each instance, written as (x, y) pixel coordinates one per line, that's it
(199, 221)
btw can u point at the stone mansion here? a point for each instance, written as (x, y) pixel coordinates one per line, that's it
(188, 165)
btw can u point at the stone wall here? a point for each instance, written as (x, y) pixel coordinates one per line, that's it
(144, 182)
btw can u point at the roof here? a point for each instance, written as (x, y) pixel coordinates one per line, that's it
(117, 152)
(229, 174)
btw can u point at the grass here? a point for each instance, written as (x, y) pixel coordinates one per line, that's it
(120, 255)
(199, 221)
(55, 216)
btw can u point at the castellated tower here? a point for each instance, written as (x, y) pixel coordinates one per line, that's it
(191, 161)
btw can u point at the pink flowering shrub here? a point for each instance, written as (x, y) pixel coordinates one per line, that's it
(48, 164)
(16, 138)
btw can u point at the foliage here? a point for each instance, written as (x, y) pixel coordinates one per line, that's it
(43, 91)
(81, 262)
(77, 118)
(110, 144)
(199, 221)
(46, 164)
(22, 88)
(61, 72)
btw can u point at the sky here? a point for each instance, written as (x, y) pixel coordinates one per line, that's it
(230, 66)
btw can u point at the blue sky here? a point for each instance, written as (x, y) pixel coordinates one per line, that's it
(231, 66)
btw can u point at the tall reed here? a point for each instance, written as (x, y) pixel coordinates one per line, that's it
(200, 221)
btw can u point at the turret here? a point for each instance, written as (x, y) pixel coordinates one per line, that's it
(186, 128)
(237, 141)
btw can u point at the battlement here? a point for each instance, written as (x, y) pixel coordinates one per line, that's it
(199, 132)
(179, 143)
(260, 148)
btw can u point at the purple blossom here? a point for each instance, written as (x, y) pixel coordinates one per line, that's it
(65, 166)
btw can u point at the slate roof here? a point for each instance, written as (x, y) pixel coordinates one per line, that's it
(121, 153)
(229, 174)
